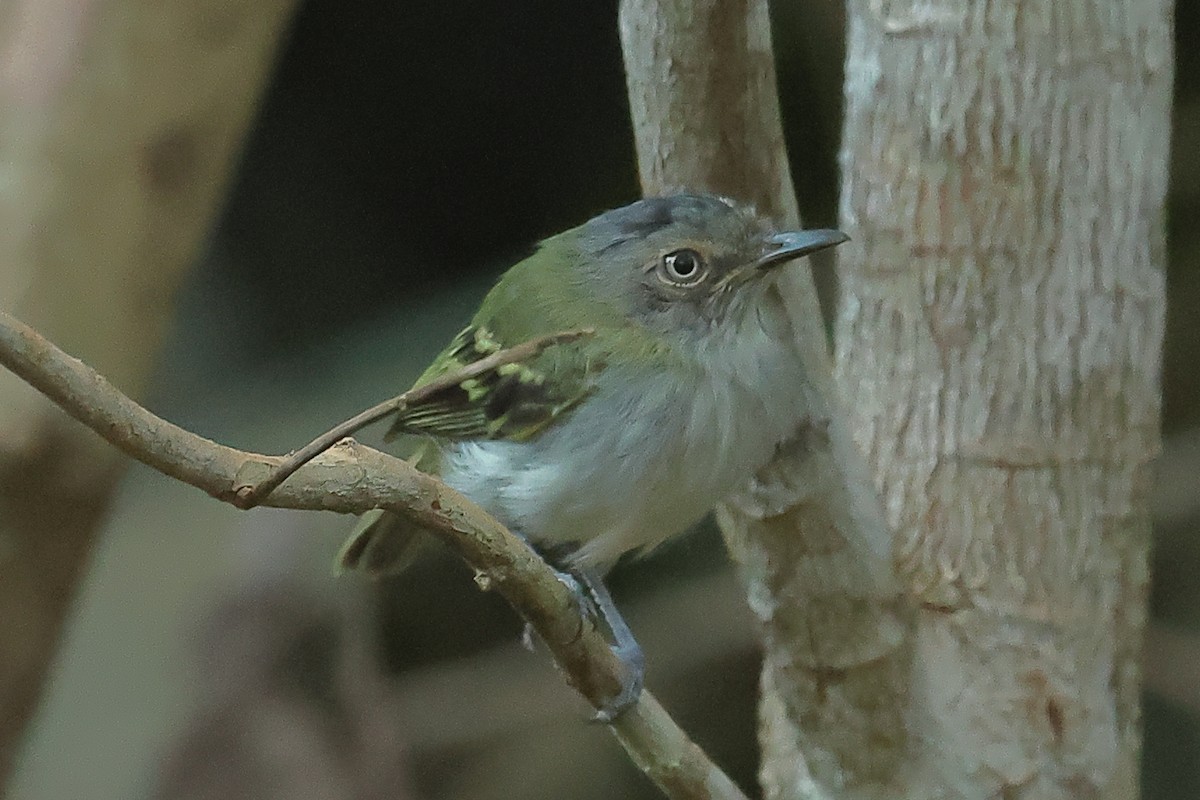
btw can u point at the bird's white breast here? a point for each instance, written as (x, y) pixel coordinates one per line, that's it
(642, 460)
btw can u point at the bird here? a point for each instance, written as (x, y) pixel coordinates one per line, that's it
(684, 379)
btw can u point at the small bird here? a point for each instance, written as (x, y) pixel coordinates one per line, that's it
(687, 379)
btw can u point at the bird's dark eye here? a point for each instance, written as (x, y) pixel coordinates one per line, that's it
(681, 267)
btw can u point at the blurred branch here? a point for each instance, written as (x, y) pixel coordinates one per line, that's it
(278, 659)
(350, 478)
(121, 121)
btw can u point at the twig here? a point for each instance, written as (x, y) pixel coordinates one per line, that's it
(246, 497)
(352, 479)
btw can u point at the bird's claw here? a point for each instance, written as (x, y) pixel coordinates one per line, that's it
(634, 663)
(581, 594)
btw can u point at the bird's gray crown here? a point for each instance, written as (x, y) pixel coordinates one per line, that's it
(653, 214)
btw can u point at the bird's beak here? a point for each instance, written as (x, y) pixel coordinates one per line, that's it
(783, 247)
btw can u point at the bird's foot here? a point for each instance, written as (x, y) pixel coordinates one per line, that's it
(632, 683)
(581, 594)
(625, 647)
(595, 604)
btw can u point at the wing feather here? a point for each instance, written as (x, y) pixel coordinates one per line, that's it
(514, 401)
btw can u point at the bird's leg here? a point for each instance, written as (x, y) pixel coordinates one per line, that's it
(595, 603)
(625, 646)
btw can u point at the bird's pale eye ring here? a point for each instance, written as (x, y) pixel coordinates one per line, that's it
(682, 268)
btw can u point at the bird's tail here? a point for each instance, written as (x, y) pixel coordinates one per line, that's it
(381, 544)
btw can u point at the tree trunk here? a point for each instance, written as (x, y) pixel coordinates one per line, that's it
(998, 336)
(1005, 168)
(121, 122)
(809, 534)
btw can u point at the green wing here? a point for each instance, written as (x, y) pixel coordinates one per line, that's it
(512, 401)
(537, 297)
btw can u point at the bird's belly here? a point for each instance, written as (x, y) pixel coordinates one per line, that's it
(625, 470)
(590, 497)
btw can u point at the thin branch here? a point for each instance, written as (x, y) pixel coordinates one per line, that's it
(350, 478)
(246, 497)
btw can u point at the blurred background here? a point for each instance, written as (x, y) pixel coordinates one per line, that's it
(402, 156)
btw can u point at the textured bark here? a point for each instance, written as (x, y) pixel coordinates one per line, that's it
(121, 121)
(1005, 168)
(808, 533)
(999, 334)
